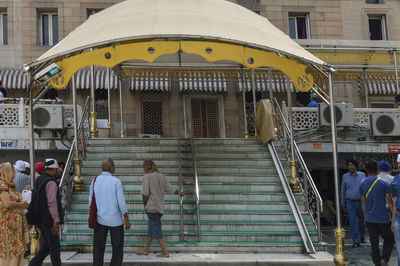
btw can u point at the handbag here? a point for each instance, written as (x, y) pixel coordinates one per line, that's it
(93, 210)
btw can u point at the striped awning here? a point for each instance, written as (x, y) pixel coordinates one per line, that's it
(151, 81)
(203, 82)
(13, 79)
(262, 83)
(379, 87)
(83, 79)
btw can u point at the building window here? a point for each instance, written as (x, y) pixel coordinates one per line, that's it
(377, 27)
(373, 1)
(48, 29)
(248, 1)
(4, 29)
(91, 11)
(299, 26)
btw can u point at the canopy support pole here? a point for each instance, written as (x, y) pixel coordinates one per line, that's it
(396, 71)
(253, 89)
(365, 88)
(120, 108)
(111, 133)
(94, 132)
(246, 132)
(340, 257)
(271, 93)
(294, 181)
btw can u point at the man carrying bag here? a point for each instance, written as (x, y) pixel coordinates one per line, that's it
(110, 207)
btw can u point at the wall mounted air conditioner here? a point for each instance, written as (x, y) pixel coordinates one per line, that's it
(344, 114)
(48, 117)
(385, 124)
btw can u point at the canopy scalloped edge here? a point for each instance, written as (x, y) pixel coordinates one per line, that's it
(210, 51)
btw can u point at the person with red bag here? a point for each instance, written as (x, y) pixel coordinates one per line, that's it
(111, 213)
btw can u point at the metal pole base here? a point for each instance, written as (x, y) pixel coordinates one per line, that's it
(246, 134)
(35, 242)
(122, 133)
(340, 257)
(94, 132)
(79, 184)
(111, 133)
(294, 180)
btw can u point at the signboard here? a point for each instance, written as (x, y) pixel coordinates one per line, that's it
(395, 148)
(317, 145)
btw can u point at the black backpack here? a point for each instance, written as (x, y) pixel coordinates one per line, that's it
(34, 215)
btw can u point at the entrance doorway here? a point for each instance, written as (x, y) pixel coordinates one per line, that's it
(205, 118)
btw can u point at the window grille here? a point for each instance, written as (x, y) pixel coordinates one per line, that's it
(152, 117)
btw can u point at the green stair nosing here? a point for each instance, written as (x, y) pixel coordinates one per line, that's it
(208, 192)
(268, 202)
(230, 243)
(201, 211)
(193, 232)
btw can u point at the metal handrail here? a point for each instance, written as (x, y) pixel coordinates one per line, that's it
(305, 236)
(69, 170)
(313, 200)
(196, 183)
(182, 227)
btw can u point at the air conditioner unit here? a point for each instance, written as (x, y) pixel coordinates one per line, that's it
(344, 114)
(49, 117)
(385, 124)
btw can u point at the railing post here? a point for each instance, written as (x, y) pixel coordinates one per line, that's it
(294, 180)
(78, 179)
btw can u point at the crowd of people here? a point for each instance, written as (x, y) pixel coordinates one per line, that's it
(371, 200)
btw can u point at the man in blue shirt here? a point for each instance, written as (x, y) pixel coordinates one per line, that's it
(395, 188)
(111, 207)
(313, 102)
(351, 201)
(375, 193)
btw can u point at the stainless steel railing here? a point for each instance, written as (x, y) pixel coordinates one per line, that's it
(182, 227)
(305, 236)
(313, 200)
(197, 190)
(66, 182)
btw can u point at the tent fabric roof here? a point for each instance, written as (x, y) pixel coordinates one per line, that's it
(179, 19)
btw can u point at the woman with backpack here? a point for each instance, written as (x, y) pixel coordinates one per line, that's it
(13, 226)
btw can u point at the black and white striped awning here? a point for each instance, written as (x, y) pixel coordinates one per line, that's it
(13, 79)
(83, 79)
(203, 82)
(379, 87)
(262, 83)
(149, 81)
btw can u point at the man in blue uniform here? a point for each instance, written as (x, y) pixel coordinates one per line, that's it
(351, 201)
(375, 193)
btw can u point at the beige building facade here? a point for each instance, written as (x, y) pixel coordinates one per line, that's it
(31, 27)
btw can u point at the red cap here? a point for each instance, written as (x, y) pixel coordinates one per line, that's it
(39, 167)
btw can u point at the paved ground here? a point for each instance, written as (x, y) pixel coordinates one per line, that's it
(357, 256)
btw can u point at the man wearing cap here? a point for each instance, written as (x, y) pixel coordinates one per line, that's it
(21, 178)
(397, 171)
(313, 102)
(351, 201)
(384, 171)
(52, 215)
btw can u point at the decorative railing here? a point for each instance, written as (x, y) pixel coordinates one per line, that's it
(66, 182)
(16, 114)
(313, 201)
(308, 117)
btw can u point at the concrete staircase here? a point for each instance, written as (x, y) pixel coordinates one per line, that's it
(242, 203)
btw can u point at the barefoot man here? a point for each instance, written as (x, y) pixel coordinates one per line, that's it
(154, 187)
